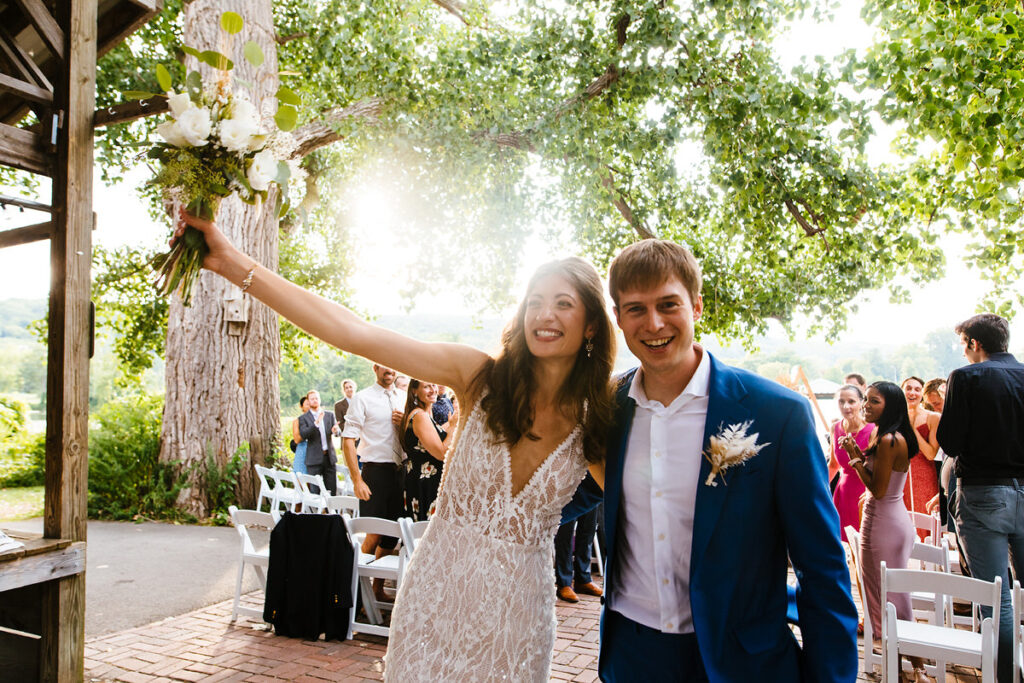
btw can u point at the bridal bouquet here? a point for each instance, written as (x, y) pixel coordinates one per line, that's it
(214, 145)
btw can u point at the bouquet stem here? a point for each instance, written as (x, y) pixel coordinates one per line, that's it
(181, 266)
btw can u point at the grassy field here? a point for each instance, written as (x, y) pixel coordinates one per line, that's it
(21, 503)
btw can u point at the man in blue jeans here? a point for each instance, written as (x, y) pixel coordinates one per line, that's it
(983, 426)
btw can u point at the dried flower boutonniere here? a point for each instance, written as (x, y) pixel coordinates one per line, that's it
(732, 446)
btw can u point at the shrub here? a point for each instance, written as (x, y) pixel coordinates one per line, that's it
(126, 478)
(222, 483)
(22, 455)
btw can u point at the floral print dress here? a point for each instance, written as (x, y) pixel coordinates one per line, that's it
(424, 475)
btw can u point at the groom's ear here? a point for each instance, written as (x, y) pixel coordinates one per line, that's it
(698, 308)
(618, 322)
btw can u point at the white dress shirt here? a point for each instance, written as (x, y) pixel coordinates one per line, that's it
(369, 419)
(659, 490)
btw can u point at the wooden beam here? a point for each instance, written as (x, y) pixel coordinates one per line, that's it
(22, 149)
(116, 26)
(67, 369)
(129, 111)
(28, 91)
(29, 233)
(23, 61)
(6, 200)
(45, 25)
(35, 569)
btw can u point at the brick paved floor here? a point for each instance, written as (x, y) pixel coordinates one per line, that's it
(204, 646)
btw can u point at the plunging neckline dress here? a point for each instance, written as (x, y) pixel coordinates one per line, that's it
(477, 601)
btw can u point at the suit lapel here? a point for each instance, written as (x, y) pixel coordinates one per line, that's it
(725, 391)
(617, 441)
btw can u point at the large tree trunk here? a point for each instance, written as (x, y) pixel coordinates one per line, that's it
(222, 377)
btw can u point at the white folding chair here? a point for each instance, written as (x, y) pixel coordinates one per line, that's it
(345, 486)
(311, 502)
(932, 641)
(348, 505)
(411, 532)
(871, 661)
(266, 487)
(286, 492)
(368, 568)
(929, 606)
(926, 523)
(259, 560)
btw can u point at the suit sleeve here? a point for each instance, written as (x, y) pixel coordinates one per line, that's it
(828, 616)
(587, 497)
(952, 431)
(307, 427)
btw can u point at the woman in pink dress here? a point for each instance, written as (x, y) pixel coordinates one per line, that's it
(886, 532)
(923, 482)
(848, 491)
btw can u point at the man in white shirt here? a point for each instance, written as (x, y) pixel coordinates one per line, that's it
(371, 418)
(697, 556)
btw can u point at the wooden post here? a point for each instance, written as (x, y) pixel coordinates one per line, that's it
(67, 373)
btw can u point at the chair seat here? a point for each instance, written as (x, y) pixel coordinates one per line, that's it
(931, 638)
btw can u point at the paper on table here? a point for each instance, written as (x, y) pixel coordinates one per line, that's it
(8, 543)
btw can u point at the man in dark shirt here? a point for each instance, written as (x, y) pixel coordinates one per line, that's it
(982, 425)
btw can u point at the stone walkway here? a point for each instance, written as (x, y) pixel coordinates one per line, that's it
(204, 646)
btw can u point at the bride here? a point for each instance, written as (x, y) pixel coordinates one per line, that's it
(477, 599)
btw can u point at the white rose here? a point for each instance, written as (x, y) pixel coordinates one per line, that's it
(195, 125)
(244, 110)
(236, 135)
(170, 132)
(262, 170)
(179, 103)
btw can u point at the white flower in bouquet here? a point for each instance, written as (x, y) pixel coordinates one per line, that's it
(179, 103)
(195, 125)
(262, 170)
(170, 132)
(238, 133)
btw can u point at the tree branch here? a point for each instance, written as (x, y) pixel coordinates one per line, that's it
(809, 230)
(320, 133)
(618, 199)
(453, 7)
(282, 40)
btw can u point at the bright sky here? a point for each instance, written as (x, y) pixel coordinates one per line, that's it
(122, 219)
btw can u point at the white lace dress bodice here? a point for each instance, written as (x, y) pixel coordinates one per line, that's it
(477, 599)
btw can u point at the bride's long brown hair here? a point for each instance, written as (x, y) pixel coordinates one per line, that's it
(507, 383)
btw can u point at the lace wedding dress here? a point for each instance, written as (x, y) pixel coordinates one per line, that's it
(477, 600)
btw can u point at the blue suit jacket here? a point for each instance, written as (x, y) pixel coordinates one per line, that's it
(775, 504)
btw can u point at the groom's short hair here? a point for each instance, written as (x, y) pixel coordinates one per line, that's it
(648, 263)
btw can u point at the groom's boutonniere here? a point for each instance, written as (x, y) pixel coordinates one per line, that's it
(732, 446)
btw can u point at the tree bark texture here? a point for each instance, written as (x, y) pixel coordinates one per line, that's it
(222, 377)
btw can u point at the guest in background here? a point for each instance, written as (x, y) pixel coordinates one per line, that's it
(348, 387)
(886, 532)
(934, 398)
(983, 428)
(851, 423)
(299, 460)
(923, 482)
(443, 407)
(934, 395)
(574, 552)
(857, 380)
(426, 445)
(317, 426)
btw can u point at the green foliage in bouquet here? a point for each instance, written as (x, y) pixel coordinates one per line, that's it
(214, 147)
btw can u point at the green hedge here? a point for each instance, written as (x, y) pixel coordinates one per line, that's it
(22, 455)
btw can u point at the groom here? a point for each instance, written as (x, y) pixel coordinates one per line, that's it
(697, 562)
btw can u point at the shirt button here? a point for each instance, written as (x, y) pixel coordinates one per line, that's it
(657, 454)
(657, 494)
(664, 582)
(661, 537)
(668, 626)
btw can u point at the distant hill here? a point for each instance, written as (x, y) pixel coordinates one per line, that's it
(16, 314)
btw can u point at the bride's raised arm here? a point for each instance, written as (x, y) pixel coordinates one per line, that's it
(452, 365)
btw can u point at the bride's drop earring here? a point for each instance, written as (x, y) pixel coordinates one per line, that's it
(589, 346)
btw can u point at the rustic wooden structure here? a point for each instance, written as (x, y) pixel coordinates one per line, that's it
(48, 52)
